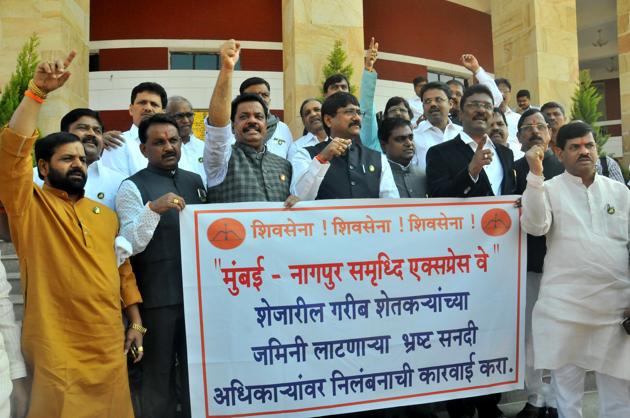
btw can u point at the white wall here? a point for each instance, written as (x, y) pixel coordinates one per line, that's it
(111, 90)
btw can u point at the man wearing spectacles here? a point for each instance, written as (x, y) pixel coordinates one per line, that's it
(533, 130)
(180, 109)
(436, 127)
(471, 164)
(278, 138)
(341, 167)
(437, 102)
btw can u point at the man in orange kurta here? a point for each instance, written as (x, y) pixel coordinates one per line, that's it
(73, 338)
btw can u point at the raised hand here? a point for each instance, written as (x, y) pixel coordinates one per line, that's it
(482, 158)
(50, 75)
(534, 157)
(371, 55)
(230, 52)
(470, 62)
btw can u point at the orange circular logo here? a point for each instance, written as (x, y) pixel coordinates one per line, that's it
(226, 233)
(496, 222)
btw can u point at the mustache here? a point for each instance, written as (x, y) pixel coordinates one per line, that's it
(89, 139)
(251, 126)
(169, 154)
(355, 123)
(75, 171)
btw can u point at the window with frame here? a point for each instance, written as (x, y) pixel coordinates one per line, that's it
(196, 61)
(94, 63)
(434, 76)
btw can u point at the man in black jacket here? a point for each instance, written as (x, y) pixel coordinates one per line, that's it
(471, 165)
(148, 206)
(341, 167)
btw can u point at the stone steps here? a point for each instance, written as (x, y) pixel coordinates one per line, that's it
(12, 266)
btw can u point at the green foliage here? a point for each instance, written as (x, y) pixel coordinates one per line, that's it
(18, 83)
(585, 101)
(337, 64)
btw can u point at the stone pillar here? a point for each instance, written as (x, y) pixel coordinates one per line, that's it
(309, 30)
(623, 38)
(62, 25)
(536, 48)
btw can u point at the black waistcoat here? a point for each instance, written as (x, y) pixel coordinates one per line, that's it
(158, 268)
(354, 175)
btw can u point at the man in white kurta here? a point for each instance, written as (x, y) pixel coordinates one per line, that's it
(585, 286)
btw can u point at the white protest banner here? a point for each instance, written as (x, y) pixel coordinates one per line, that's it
(350, 305)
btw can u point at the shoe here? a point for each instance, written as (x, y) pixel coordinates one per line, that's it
(552, 413)
(531, 411)
(494, 413)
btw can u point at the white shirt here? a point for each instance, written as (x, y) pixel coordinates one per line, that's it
(416, 106)
(137, 221)
(494, 170)
(281, 140)
(217, 152)
(512, 121)
(308, 174)
(426, 135)
(101, 185)
(515, 146)
(307, 140)
(126, 159)
(511, 117)
(585, 285)
(10, 340)
(484, 78)
(192, 157)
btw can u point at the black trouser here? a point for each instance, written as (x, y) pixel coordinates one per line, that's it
(164, 344)
(414, 411)
(486, 406)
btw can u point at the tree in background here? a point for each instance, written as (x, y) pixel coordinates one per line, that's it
(13, 92)
(337, 64)
(585, 108)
